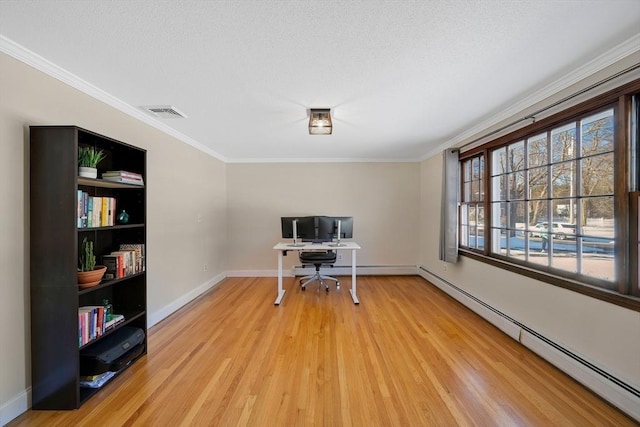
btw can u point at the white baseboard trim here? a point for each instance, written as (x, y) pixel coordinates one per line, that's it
(340, 270)
(15, 407)
(167, 310)
(615, 391)
(617, 396)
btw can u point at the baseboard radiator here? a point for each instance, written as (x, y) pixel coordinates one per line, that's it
(619, 393)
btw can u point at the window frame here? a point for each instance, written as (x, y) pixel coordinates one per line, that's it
(623, 292)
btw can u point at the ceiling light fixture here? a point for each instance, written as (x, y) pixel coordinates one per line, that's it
(320, 121)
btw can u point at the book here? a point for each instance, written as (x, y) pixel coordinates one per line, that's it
(115, 319)
(122, 174)
(91, 323)
(124, 180)
(128, 260)
(96, 381)
(89, 211)
(97, 207)
(111, 262)
(104, 212)
(138, 248)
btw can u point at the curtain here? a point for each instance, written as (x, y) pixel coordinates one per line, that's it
(449, 210)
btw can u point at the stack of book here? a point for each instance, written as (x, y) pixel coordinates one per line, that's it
(125, 177)
(96, 381)
(128, 260)
(95, 211)
(92, 323)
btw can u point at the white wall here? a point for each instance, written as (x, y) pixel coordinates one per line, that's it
(183, 184)
(382, 198)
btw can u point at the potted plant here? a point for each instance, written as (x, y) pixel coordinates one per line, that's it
(89, 274)
(88, 159)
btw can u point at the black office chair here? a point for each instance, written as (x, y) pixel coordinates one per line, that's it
(318, 259)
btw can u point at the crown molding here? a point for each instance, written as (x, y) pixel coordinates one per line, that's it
(36, 61)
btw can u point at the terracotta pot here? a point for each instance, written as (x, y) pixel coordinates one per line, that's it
(91, 278)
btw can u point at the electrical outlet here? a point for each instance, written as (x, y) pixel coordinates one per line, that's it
(339, 257)
(205, 267)
(199, 219)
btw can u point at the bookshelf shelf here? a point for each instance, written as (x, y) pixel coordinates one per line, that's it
(55, 237)
(90, 182)
(111, 227)
(107, 283)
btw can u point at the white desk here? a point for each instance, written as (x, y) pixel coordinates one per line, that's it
(352, 246)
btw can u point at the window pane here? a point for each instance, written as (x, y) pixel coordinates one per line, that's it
(538, 183)
(464, 235)
(516, 156)
(565, 213)
(475, 190)
(598, 216)
(480, 228)
(563, 141)
(562, 180)
(564, 255)
(467, 192)
(597, 133)
(517, 215)
(475, 169)
(538, 212)
(537, 149)
(499, 215)
(498, 243)
(499, 162)
(464, 214)
(598, 258)
(499, 187)
(597, 175)
(516, 185)
(466, 168)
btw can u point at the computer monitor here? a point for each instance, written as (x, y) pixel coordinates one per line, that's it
(305, 228)
(335, 228)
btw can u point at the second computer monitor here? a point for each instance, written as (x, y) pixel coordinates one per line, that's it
(328, 228)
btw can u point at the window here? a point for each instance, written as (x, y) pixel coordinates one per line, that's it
(557, 202)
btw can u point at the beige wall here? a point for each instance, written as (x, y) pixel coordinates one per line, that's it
(382, 198)
(183, 184)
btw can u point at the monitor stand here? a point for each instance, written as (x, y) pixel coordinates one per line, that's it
(338, 234)
(337, 244)
(295, 243)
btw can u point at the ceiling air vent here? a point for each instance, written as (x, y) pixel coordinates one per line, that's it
(165, 112)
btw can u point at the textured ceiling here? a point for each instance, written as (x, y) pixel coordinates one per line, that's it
(401, 77)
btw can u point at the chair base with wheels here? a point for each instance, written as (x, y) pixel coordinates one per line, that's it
(318, 259)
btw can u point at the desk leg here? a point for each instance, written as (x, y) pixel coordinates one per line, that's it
(280, 290)
(354, 296)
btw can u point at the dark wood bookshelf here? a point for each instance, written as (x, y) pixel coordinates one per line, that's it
(54, 245)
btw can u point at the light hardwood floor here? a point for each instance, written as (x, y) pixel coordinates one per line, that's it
(408, 355)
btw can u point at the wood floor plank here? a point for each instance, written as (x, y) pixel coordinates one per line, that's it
(407, 355)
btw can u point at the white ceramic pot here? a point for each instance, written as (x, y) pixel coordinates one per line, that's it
(88, 172)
